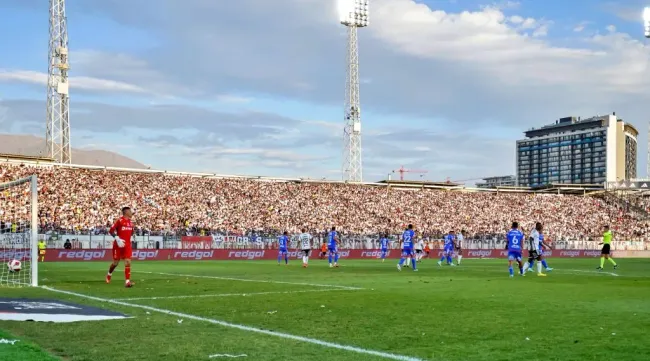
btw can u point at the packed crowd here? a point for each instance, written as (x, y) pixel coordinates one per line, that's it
(81, 200)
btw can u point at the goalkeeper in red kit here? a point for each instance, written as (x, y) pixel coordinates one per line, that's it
(122, 231)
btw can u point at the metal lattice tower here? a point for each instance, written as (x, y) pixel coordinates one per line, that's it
(647, 169)
(354, 15)
(646, 34)
(57, 137)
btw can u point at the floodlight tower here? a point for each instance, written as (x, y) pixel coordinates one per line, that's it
(57, 137)
(353, 14)
(646, 33)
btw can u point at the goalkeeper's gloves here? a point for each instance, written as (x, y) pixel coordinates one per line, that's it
(120, 242)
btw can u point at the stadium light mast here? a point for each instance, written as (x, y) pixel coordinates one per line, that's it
(57, 136)
(646, 33)
(354, 15)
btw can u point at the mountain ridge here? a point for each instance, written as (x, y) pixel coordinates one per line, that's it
(31, 145)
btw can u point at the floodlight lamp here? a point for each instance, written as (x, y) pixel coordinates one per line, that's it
(353, 12)
(646, 15)
(345, 7)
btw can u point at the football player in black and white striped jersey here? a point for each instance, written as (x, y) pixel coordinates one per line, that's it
(459, 246)
(535, 244)
(304, 241)
(419, 248)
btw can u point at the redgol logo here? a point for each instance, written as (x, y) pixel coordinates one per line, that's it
(373, 254)
(548, 253)
(592, 253)
(344, 254)
(246, 254)
(83, 255)
(570, 253)
(19, 255)
(479, 254)
(503, 254)
(197, 255)
(144, 255)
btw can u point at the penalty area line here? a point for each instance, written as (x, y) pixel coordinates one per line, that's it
(241, 327)
(251, 280)
(231, 294)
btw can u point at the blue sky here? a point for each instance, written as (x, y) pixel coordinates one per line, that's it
(232, 87)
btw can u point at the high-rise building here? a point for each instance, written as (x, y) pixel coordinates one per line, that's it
(578, 151)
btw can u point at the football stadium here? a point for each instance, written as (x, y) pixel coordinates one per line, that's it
(104, 258)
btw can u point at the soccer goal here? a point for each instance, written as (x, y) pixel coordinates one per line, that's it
(19, 233)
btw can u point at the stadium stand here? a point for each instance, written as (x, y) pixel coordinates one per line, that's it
(85, 200)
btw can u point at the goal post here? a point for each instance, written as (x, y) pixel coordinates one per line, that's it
(19, 232)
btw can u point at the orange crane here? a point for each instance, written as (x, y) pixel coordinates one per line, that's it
(401, 172)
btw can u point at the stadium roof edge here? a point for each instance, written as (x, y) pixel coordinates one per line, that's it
(30, 158)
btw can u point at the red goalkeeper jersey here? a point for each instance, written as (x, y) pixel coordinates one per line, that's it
(124, 229)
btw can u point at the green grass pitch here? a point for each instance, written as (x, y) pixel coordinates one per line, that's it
(364, 310)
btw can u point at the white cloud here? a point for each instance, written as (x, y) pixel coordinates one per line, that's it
(581, 26)
(76, 82)
(516, 19)
(480, 70)
(485, 42)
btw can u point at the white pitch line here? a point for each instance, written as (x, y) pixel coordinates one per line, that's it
(595, 272)
(227, 355)
(583, 271)
(243, 327)
(230, 294)
(253, 280)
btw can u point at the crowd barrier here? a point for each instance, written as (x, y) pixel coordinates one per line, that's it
(221, 242)
(257, 254)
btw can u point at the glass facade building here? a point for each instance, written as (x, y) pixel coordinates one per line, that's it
(577, 151)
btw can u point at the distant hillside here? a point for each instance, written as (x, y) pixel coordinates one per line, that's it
(34, 146)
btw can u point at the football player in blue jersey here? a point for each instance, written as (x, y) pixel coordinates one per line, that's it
(283, 248)
(515, 239)
(541, 251)
(384, 243)
(332, 247)
(448, 250)
(407, 248)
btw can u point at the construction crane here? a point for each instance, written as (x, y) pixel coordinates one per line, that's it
(401, 172)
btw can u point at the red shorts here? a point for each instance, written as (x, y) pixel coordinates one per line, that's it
(122, 253)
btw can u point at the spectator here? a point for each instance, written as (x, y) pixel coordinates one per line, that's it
(83, 201)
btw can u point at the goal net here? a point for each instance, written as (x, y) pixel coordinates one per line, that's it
(19, 233)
